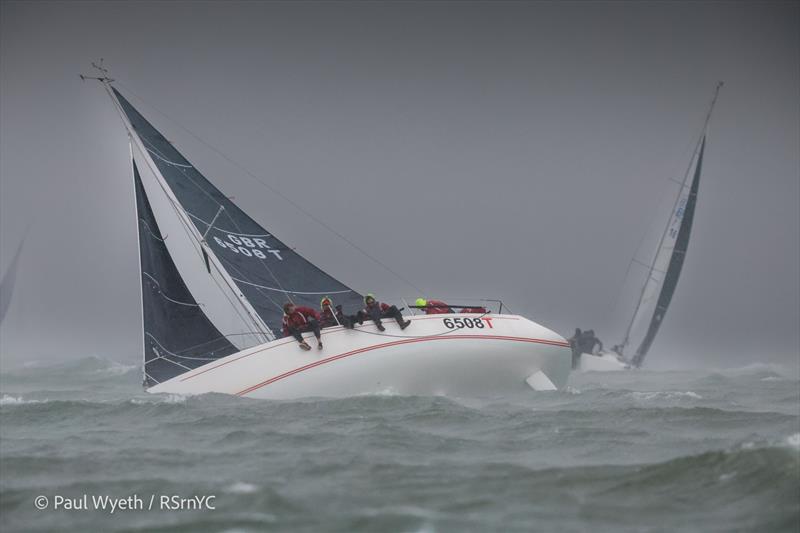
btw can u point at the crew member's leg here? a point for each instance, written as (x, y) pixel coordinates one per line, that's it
(348, 321)
(576, 357)
(375, 315)
(298, 335)
(394, 312)
(313, 325)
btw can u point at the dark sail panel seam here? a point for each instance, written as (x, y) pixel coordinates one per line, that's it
(167, 161)
(147, 333)
(161, 292)
(208, 224)
(150, 231)
(182, 170)
(285, 291)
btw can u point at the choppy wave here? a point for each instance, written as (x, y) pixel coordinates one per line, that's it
(665, 395)
(16, 400)
(694, 451)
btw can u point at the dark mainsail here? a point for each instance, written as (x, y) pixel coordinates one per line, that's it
(266, 271)
(675, 264)
(177, 334)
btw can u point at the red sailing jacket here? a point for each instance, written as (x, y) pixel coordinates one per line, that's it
(481, 310)
(329, 318)
(435, 307)
(298, 319)
(384, 307)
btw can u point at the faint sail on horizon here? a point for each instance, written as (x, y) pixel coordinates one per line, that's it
(9, 281)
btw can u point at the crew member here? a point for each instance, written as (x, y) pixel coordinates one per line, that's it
(298, 320)
(376, 310)
(333, 316)
(589, 341)
(433, 307)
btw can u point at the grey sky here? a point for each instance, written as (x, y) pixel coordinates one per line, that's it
(510, 150)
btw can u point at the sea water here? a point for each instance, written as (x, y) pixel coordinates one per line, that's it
(82, 448)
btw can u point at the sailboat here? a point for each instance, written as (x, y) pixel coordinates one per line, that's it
(213, 283)
(663, 271)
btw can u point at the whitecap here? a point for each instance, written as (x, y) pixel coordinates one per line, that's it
(16, 400)
(240, 487)
(665, 395)
(174, 398)
(793, 440)
(773, 369)
(388, 391)
(167, 398)
(115, 369)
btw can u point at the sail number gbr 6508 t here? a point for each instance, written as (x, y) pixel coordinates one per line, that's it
(466, 322)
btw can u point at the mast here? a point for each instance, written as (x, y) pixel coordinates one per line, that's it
(677, 212)
(138, 256)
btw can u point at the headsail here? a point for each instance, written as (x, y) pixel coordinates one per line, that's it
(265, 271)
(178, 336)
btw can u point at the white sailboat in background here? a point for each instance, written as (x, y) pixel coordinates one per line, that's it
(663, 271)
(214, 282)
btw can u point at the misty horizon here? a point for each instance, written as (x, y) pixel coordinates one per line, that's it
(479, 150)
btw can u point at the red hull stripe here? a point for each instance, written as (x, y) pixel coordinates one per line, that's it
(325, 331)
(389, 344)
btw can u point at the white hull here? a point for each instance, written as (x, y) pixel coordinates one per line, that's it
(604, 362)
(493, 357)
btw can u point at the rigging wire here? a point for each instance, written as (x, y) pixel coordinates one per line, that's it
(278, 193)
